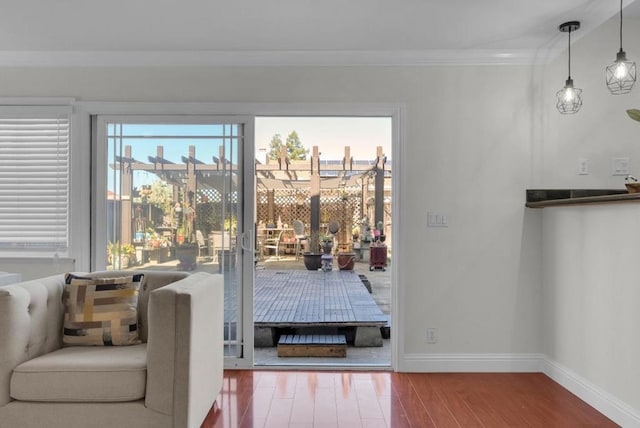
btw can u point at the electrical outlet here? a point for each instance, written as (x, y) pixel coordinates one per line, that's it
(432, 336)
(620, 166)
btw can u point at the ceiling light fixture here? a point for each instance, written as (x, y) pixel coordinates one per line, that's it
(569, 99)
(621, 75)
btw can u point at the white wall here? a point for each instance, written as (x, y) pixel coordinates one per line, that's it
(591, 291)
(468, 145)
(591, 296)
(601, 130)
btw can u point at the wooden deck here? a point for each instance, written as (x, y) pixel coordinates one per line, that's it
(299, 298)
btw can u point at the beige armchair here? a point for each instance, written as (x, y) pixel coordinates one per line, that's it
(171, 379)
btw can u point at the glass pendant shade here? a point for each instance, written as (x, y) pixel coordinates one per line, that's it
(621, 75)
(569, 99)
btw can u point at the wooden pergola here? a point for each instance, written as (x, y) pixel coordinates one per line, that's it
(193, 174)
(309, 173)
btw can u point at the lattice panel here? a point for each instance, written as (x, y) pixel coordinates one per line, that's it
(344, 206)
(208, 195)
(209, 210)
(208, 217)
(289, 205)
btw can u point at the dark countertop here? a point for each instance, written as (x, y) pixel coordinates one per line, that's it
(541, 198)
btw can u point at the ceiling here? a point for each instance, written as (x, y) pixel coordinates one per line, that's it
(291, 32)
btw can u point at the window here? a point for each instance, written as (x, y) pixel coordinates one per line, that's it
(34, 181)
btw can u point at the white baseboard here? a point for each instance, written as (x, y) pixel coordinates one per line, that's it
(471, 363)
(613, 408)
(616, 410)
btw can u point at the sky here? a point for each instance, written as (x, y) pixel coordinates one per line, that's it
(330, 134)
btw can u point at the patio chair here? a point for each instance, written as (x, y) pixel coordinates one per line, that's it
(273, 242)
(215, 244)
(298, 230)
(202, 244)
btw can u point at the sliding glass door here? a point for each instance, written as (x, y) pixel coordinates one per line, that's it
(169, 195)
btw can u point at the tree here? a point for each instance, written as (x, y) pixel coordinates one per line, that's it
(295, 149)
(275, 145)
(160, 195)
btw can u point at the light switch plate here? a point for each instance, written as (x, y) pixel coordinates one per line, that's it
(437, 219)
(583, 166)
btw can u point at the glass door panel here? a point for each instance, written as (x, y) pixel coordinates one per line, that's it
(172, 200)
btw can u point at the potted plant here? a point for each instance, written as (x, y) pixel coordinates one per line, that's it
(120, 256)
(346, 260)
(187, 255)
(113, 251)
(313, 258)
(128, 256)
(180, 235)
(327, 244)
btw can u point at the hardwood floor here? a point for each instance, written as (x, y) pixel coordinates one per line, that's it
(298, 399)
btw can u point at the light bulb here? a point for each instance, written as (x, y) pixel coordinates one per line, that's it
(621, 71)
(621, 75)
(569, 98)
(569, 95)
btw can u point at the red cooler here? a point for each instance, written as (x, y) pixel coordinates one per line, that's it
(378, 257)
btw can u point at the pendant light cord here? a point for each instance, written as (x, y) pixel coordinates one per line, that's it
(569, 53)
(620, 25)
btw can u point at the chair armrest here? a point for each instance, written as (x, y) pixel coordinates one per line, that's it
(14, 321)
(30, 324)
(185, 348)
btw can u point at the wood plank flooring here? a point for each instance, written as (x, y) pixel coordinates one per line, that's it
(297, 399)
(311, 298)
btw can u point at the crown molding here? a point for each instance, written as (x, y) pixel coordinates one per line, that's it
(273, 58)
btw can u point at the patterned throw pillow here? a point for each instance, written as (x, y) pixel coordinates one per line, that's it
(101, 311)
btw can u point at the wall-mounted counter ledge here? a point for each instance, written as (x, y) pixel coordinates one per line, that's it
(560, 197)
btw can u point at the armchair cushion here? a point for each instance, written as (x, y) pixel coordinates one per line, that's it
(101, 311)
(83, 374)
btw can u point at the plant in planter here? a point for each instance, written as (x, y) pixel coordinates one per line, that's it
(187, 253)
(346, 260)
(180, 235)
(128, 256)
(120, 256)
(327, 244)
(113, 251)
(313, 258)
(355, 234)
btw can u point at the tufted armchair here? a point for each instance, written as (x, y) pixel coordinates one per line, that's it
(170, 380)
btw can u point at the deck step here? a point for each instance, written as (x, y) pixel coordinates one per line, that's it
(312, 345)
(385, 330)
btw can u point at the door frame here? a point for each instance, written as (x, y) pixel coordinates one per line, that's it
(84, 129)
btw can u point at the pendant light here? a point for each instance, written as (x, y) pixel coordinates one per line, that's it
(569, 99)
(621, 75)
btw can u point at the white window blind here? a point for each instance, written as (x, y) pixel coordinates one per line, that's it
(34, 183)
